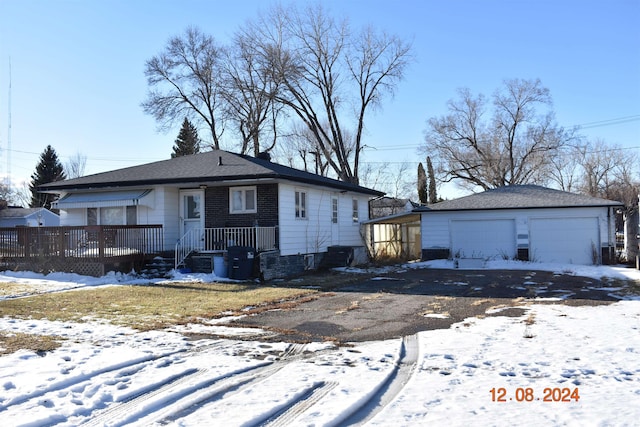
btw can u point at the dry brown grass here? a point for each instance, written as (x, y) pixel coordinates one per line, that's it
(151, 306)
(12, 342)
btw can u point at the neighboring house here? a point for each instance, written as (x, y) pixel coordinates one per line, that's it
(210, 201)
(521, 222)
(28, 217)
(385, 206)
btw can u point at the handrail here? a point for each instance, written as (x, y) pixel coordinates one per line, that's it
(187, 244)
(219, 239)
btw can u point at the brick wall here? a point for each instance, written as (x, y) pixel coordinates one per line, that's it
(216, 207)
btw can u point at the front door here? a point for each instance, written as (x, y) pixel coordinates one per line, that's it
(191, 211)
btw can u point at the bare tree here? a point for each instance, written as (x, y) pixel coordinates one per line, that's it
(249, 91)
(6, 196)
(184, 81)
(513, 146)
(565, 168)
(599, 169)
(326, 71)
(75, 166)
(395, 179)
(611, 172)
(299, 149)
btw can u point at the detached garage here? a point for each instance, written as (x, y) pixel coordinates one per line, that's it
(524, 222)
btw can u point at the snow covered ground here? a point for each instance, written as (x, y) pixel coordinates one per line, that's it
(556, 365)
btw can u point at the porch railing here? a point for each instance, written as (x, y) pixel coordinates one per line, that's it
(219, 239)
(91, 242)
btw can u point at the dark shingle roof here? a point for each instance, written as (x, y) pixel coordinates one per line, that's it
(211, 166)
(519, 197)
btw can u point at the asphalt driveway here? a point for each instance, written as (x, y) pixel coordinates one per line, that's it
(402, 303)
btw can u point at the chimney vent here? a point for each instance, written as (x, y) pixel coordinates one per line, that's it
(264, 155)
(220, 161)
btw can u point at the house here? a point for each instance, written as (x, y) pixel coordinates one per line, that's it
(28, 217)
(211, 201)
(525, 222)
(385, 206)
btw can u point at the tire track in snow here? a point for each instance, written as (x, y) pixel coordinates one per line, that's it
(301, 403)
(227, 387)
(182, 396)
(78, 379)
(391, 387)
(166, 393)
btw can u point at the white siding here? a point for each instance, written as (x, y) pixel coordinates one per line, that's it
(317, 232)
(165, 212)
(73, 217)
(436, 226)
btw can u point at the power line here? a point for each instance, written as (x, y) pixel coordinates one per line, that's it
(590, 125)
(610, 122)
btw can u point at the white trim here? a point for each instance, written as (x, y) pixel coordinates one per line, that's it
(243, 190)
(105, 199)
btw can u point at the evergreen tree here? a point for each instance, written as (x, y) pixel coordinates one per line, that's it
(49, 169)
(187, 141)
(433, 196)
(422, 185)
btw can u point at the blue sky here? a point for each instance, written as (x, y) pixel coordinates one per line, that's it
(78, 69)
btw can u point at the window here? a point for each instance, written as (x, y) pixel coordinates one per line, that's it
(132, 215)
(355, 210)
(301, 204)
(192, 206)
(92, 216)
(334, 210)
(112, 215)
(242, 200)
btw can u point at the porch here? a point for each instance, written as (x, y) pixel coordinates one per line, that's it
(394, 237)
(82, 249)
(218, 240)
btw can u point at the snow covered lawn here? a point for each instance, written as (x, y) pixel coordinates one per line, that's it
(483, 371)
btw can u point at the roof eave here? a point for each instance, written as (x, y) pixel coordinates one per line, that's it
(194, 180)
(423, 210)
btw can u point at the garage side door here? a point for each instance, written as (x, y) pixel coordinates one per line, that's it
(493, 238)
(564, 240)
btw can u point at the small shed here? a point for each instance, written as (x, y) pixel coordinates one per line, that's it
(393, 236)
(28, 217)
(525, 222)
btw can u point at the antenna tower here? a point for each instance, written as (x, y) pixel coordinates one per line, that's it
(8, 179)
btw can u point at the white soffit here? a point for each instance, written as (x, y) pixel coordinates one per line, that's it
(106, 199)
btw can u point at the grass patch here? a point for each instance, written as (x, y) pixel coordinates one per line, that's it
(150, 306)
(12, 342)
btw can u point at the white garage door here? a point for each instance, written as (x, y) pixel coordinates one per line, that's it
(565, 240)
(493, 238)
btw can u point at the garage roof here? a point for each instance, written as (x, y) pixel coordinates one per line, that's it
(519, 197)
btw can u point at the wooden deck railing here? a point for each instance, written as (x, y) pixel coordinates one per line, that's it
(100, 242)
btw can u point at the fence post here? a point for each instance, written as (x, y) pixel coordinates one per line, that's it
(62, 246)
(101, 242)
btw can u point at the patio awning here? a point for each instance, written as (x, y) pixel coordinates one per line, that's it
(106, 199)
(400, 218)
